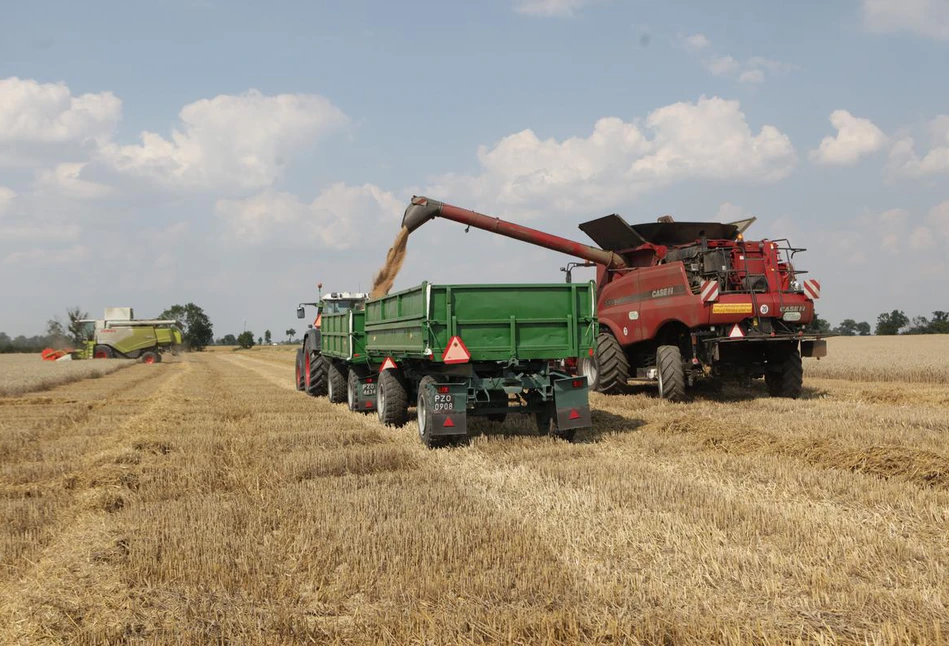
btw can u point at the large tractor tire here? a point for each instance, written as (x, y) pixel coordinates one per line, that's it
(392, 399)
(608, 370)
(425, 416)
(352, 391)
(788, 379)
(298, 371)
(314, 374)
(671, 373)
(335, 382)
(102, 352)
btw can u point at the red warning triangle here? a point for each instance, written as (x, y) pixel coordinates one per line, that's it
(388, 364)
(455, 351)
(448, 423)
(736, 332)
(574, 414)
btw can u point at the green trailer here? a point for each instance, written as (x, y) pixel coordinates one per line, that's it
(456, 351)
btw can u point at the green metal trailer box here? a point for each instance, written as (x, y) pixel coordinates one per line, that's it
(495, 322)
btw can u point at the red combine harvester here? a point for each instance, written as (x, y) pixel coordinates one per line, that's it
(679, 300)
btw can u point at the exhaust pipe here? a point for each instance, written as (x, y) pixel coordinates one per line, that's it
(420, 211)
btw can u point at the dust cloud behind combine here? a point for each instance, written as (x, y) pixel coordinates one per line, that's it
(385, 277)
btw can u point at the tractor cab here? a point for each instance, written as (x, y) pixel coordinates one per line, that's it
(334, 303)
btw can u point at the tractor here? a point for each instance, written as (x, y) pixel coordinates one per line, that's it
(310, 373)
(679, 301)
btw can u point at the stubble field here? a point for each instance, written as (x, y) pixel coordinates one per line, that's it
(204, 500)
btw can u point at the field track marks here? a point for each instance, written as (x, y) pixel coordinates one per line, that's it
(83, 542)
(275, 373)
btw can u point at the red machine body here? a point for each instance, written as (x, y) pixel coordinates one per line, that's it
(717, 304)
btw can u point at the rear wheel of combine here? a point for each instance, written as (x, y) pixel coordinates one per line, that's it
(315, 374)
(607, 371)
(671, 373)
(335, 382)
(150, 357)
(788, 380)
(392, 399)
(298, 370)
(102, 352)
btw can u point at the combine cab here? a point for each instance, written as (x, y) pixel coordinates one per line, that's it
(120, 335)
(680, 300)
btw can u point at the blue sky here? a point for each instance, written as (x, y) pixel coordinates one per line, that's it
(285, 139)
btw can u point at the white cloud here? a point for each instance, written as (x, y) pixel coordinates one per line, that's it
(890, 226)
(7, 196)
(46, 257)
(43, 231)
(33, 112)
(753, 70)
(709, 139)
(729, 212)
(855, 138)
(905, 161)
(65, 180)
(924, 17)
(696, 42)
(340, 217)
(241, 141)
(550, 8)
(939, 219)
(921, 238)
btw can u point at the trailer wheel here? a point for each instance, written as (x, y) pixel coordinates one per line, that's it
(607, 371)
(392, 399)
(335, 383)
(671, 373)
(547, 424)
(298, 370)
(149, 357)
(102, 352)
(424, 409)
(788, 381)
(315, 374)
(352, 392)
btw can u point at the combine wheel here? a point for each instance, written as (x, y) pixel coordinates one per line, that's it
(298, 371)
(608, 370)
(335, 382)
(102, 352)
(150, 357)
(314, 374)
(671, 373)
(392, 399)
(788, 379)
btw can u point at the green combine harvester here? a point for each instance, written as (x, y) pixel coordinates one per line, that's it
(455, 351)
(120, 335)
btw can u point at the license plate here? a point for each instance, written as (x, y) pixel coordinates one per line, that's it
(368, 390)
(444, 403)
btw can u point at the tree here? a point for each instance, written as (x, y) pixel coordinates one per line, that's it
(260, 340)
(245, 339)
(863, 328)
(847, 327)
(267, 338)
(892, 323)
(196, 329)
(290, 333)
(229, 339)
(73, 333)
(819, 325)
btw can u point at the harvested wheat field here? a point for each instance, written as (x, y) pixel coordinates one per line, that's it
(24, 373)
(207, 501)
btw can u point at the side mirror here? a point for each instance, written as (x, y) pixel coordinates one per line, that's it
(301, 312)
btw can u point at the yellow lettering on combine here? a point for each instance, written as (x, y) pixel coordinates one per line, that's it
(732, 308)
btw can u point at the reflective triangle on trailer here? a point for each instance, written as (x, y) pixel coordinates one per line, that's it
(736, 332)
(455, 351)
(388, 364)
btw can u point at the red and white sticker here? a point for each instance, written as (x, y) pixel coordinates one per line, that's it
(812, 289)
(710, 291)
(455, 351)
(388, 364)
(736, 332)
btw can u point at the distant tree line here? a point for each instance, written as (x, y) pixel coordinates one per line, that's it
(888, 324)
